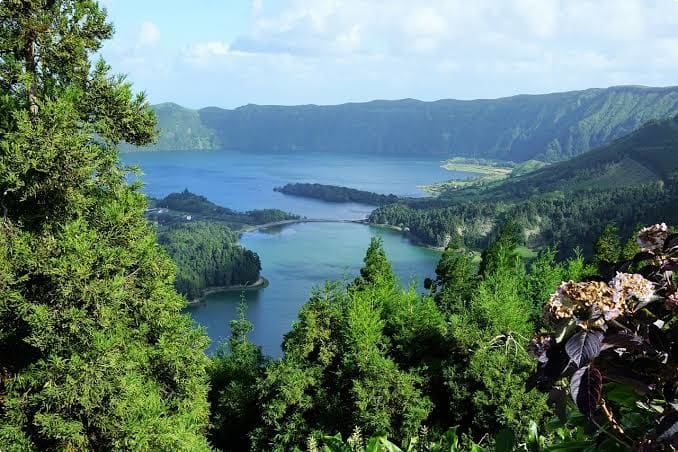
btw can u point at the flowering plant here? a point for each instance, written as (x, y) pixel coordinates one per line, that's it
(612, 347)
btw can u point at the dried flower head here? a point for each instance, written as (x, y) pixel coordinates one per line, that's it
(628, 285)
(590, 304)
(652, 237)
(539, 346)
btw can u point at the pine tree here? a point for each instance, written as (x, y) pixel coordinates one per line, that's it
(456, 278)
(631, 247)
(94, 351)
(506, 242)
(237, 368)
(607, 248)
(376, 266)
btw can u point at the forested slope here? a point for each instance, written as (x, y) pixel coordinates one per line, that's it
(548, 127)
(208, 255)
(567, 203)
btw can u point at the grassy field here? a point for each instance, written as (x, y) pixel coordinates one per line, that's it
(487, 172)
(470, 166)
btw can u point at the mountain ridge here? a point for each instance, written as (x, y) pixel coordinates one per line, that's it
(549, 127)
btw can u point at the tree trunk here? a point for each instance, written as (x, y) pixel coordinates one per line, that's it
(31, 68)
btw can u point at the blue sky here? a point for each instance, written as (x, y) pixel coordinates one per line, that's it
(234, 52)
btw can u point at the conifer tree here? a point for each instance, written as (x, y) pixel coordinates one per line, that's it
(376, 265)
(506, 242)
(94, 353)
(607, 248)
(237, 367)
(456, 278)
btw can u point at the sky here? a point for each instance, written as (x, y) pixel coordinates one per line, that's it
(229, 53)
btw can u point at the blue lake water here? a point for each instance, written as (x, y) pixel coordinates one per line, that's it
(242, 181)
(297, 257)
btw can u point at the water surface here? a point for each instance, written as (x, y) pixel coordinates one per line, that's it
(298, 257)
(242, 181)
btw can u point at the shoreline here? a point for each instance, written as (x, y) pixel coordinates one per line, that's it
(261, 283)
(364, 221)
(407, 235)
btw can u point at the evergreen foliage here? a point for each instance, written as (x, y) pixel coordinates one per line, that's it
(208, 255)
(94, 353)
(607, 248)
(176, 207)
(334, 193)
(384, 359)
(237, 367)
(567, 204)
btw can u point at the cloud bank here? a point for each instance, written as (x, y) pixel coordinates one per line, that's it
(331, 51)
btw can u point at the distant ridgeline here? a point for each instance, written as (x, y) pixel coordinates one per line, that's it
(199, 236)
(547, 127)
(334, 193)
(628, 181)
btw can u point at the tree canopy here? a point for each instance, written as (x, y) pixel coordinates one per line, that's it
(95, 353)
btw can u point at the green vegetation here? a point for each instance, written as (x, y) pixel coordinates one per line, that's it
(94, 352)
(380, 365)
(177, 207)
(548, 127)
(333, 193)
(480, 166)
(180, 129)
(208, 256)
(490, 172)
(632, 180)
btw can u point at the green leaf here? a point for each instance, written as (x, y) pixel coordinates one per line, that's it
(452, 439)
(504, 441)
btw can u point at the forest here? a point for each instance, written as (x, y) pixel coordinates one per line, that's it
(207, 255)
(501, 356)
(176, 206)
(567, 204)
(334, 193)
(562, 353)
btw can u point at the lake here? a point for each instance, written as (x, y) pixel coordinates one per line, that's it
(243, 181)
(298, 257)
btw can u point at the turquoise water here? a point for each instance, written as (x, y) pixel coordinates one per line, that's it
(297, 257)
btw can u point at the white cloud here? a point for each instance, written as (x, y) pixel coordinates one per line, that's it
(330, 51)
(204, 52)
(149, 34)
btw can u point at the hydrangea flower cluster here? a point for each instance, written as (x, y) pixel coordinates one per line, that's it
(622, 332)
(593, 303)
(652, 238)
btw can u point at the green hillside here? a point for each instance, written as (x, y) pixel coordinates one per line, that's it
(180, 129)
(566, 203)
(548, 127)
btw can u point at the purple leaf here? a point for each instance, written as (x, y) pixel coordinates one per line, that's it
(586, 387)
(668, 427)
(583, 346)
(624, 340)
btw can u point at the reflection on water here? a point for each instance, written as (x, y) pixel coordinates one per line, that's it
(296, 262)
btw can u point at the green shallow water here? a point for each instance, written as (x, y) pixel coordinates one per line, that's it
(296, 258)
